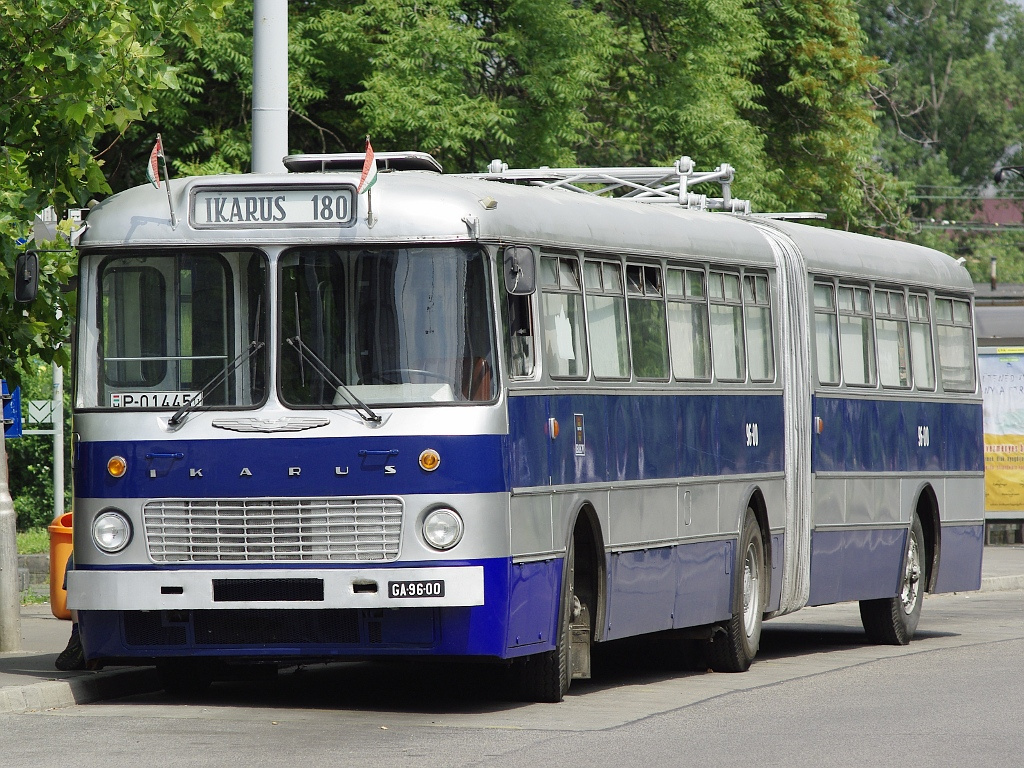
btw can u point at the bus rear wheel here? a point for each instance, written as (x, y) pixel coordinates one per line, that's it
(893, 620)
(734, 643)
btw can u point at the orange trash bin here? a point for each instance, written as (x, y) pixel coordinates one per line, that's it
(60, 551)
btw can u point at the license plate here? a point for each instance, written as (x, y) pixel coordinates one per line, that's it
(427, 588)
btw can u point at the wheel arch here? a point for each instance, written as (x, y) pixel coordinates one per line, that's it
(591, 577)
(927, 509)
(756, 502)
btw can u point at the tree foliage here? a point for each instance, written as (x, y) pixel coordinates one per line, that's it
(777, 88)
(951, 87)
(73, 70)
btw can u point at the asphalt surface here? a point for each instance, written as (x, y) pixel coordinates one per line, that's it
(30, 682)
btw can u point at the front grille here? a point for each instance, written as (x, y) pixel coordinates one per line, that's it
(247, 627)
(273, 530)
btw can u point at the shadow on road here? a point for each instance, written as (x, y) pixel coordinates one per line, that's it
(425, 687)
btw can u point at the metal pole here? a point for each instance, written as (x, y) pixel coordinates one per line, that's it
(10, 599)
(58, 441)
(269, 85)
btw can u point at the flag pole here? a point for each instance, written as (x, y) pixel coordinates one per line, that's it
(167, 178)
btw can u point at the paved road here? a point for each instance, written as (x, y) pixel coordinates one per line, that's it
(818, 695)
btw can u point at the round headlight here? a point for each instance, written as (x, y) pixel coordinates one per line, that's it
(111, 531)
(442, 528)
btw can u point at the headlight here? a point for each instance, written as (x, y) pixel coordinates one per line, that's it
(111, 531)
(442, 528)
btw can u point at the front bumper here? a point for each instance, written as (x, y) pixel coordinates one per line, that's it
(275, 588)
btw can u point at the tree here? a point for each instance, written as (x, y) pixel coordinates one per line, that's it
(950, 87)
(72, 71)
(776, 89)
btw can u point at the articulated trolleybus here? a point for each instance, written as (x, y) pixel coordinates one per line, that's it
(506, 416)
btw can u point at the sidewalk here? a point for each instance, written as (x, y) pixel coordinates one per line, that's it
(29, 681)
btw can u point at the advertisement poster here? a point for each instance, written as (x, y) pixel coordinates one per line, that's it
(1002, 381)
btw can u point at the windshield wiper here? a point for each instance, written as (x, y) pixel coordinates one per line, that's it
(216, 380)
(365, 412)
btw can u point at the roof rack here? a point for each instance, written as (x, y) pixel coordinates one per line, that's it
(353, 161)
(645, 185)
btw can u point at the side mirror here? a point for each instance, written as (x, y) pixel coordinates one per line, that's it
(520, 267)
(26, 277)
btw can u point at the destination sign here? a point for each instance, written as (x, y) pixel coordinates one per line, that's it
(261, 207)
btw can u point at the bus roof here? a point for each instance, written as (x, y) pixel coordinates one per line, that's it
(416, 206)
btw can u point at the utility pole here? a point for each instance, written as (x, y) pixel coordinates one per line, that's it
(10, 598)
(269, 86)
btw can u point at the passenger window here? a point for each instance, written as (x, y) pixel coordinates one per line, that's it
(826, 335)
(956, 344)
(688, 324)
(893, 334)
(648, 337)
(758, 318)
(856, 344)
(921, 354)
(606, 319)
(726, 326)
(562, 308)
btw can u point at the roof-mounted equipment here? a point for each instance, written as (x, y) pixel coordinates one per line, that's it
(353, 161)
(646, 185)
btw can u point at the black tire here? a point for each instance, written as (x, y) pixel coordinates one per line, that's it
(893, 620)
(734, 643)
(186, 678)
(545, 677)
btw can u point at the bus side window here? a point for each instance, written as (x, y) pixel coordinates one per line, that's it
(856, 342)
(892, 334)
(921, 354)
(606, 319)
(565, 352)
(648, 334)
(519, 335)
(688, 324)
(956, 344)
(826, 335)
(726, 326)
(757, 316)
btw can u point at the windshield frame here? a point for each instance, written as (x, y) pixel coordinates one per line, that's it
(91, 388)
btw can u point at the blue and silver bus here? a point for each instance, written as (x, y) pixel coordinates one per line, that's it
(486, 416)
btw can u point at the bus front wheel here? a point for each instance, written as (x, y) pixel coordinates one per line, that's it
(893, 620)
(545, 677)
(734, 643)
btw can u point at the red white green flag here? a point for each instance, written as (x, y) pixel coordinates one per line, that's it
(369, 176)
(153, 169)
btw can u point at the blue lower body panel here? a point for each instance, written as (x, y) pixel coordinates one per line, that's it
(960, 554)
(855, 564)
(520, 601)
(669, 588)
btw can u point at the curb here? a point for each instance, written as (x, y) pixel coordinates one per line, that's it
(1002, 583)
(90, 687)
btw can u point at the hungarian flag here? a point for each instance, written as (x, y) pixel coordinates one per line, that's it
(153, 169)
(369, 177)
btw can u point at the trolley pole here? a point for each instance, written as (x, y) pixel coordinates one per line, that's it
(10, 597)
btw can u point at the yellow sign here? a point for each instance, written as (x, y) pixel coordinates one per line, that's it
(1004, 473)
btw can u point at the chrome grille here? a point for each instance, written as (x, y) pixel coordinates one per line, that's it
(273, 530)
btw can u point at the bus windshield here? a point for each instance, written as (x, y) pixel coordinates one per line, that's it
(171, 328)
(393, 325)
